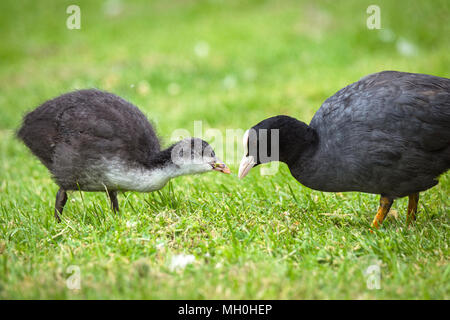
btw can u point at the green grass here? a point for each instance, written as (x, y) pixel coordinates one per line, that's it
(262, 237)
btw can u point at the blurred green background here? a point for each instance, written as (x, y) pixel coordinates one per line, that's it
(229, 64)
(257, 57)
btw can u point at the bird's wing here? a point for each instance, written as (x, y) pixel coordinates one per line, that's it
(387, 127)
(411, 107)
(98, 124)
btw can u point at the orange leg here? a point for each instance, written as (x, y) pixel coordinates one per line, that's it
(385, 205)
(412, 208)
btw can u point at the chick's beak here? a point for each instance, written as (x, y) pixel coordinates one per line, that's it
(246, 164)
(222, 167)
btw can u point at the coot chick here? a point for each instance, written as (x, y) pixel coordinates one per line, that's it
(92, 140)
(387, 134)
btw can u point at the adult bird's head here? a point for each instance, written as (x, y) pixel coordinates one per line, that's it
(279, 138)
(194, 155)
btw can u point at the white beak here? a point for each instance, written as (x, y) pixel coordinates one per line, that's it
(246, 164)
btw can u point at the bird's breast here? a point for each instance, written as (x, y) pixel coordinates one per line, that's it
(121, 176)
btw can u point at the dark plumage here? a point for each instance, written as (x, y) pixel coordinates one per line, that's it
(387, 134)
(96, 141)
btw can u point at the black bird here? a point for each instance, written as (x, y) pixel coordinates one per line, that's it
(387, 134)
(92, 140)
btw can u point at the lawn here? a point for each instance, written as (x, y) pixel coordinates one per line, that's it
(228, 64)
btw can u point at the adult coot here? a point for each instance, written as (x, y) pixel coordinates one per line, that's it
(92, 140)
(387, 134)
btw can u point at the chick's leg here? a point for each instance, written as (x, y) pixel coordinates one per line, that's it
(61, 199)
(113, 198)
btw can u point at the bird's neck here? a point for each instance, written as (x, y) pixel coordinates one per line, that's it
(298, 145)
(138, 177)
(303, 161)
(163, 164)
(147, 177)
(161, 160)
